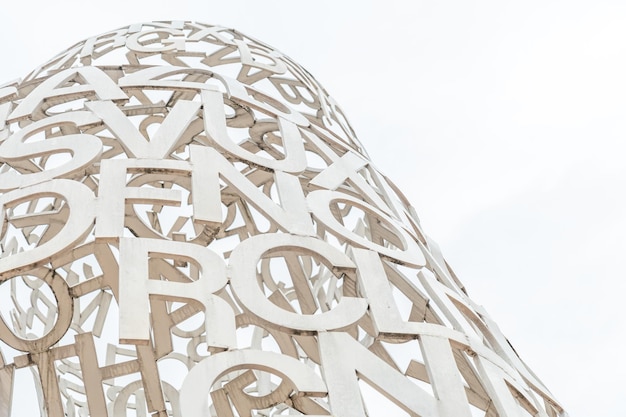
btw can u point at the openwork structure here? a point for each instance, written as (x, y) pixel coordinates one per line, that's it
(191, 228)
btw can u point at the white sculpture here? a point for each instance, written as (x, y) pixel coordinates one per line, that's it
(191, 228)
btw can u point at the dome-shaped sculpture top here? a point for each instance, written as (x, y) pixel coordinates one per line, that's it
(191, 228)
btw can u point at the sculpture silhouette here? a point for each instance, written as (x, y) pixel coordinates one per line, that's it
(191, 228)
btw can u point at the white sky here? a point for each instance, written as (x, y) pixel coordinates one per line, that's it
(503, 123)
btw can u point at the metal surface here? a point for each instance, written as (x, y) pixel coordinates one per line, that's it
(190, 228)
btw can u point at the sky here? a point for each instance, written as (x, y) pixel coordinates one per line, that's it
(502, 122)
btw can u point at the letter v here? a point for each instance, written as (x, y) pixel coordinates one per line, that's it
(163, 142)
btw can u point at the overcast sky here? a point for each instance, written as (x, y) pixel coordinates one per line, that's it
(502, 122)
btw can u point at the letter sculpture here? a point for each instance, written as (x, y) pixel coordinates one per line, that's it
(190, 228)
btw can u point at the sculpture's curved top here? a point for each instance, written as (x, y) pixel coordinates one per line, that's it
(191, 228)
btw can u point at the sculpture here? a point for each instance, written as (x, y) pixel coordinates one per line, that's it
(191, 228)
